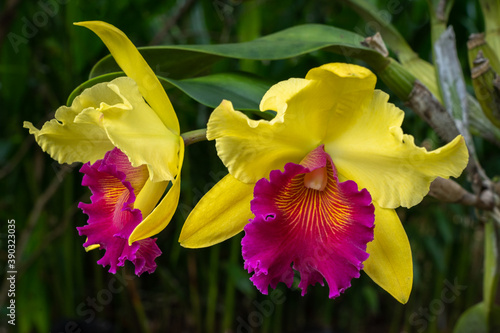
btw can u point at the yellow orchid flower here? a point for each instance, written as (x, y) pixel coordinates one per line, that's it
(296, 179)
(127, 133)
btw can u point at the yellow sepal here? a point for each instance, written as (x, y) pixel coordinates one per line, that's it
(390, 263)
(220, 214)
(133, 64)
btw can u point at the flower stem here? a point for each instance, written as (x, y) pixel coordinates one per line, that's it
(194, 136)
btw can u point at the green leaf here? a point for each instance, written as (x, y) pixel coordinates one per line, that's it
(181, 61)
(491, 12)
(244, 90)
(474, 320)
(370, 13)
(490, 280)
(89, 83)
(419, 68)
(168, 61)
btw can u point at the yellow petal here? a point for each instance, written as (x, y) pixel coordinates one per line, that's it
(305, 108)
(76, 134)
(250, 149)
(277, 97)
(220, 214)
(149, 196)
(390, 263)
(334, 88)
(160, 217)
(134, 65)
(137, 131)
(310, 104)
(369, 147)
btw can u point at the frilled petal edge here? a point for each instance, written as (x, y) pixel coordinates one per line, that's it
(250, 148)
(69, 138)
(369, 147)
(320, 225)
(114, 182)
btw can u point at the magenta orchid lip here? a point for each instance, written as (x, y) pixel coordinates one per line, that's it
(324, 233)
(115, 183)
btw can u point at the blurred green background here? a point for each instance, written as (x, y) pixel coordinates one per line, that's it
(60, 288)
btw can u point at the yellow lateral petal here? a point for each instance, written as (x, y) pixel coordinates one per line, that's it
(160, 217)
(336, 87)
(390, 263)
(139, 133)
(220, 214)
(331, 90)
(369, 147)
(250, 149)
(76, 134)
(277, 97)
(134, 65)
(149, 196)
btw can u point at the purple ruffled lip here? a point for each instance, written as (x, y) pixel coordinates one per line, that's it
(112, 217)
(306, 220)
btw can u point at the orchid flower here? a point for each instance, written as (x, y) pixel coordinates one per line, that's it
(127, 133)
(318, 185)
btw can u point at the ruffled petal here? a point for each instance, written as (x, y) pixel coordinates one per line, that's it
(220, 214)
(137, 131)
(250, 148)
(323, 232)
(69, 139)
(390, 263)
(133, 64)
(106, 115)
(305, 108)
(369, 147)
(144, 258)
(113, 182)
(160, 217)
(327, 91)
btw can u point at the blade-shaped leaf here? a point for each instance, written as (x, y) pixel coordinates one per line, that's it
(490, 280)
(181, 61)
(175, 63)
(244, 90)
(421, 69)
(491, 12)
(370, 13)
(475, 320)
(89, 83)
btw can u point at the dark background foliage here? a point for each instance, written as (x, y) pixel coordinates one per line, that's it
(60, 288)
